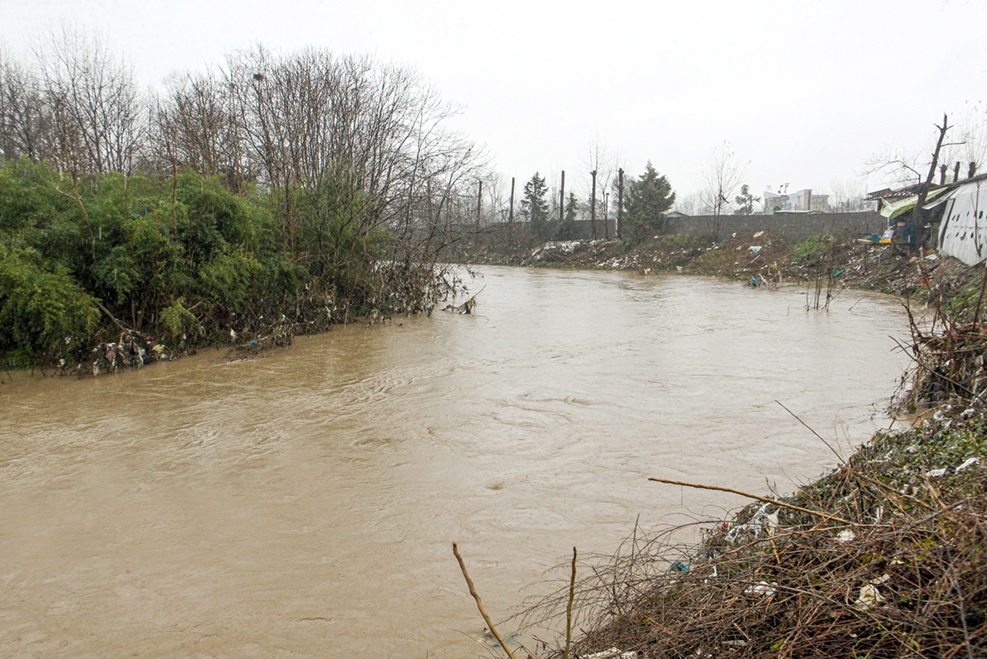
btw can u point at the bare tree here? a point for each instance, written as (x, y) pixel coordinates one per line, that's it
(601, 164)
(689, 204)
(99, 118)
(23, 121)
(895, 166)
(971, 147)
(847, 195)
(721, 175)
(198, 126)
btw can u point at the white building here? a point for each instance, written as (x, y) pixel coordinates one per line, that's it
(803, 200)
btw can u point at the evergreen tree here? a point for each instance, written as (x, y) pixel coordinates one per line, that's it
(645, 202)
(746, 201)
(534, 206)
(571, 208)
(567, 228)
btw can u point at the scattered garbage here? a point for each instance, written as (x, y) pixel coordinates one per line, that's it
(761, 588)
(609, 653)
(761, 520)
(942, 471)
(466, 307)
(131, 350)
(845, 536)
(870, 597)
(678, 566)
(968, 463)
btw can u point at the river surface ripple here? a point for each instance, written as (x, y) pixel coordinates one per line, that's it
(305, 503)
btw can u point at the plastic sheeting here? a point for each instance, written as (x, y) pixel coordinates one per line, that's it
(892, 209)
(963, 231)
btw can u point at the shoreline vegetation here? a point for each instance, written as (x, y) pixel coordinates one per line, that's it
(160, 267)
(274, 195)
(884, 556)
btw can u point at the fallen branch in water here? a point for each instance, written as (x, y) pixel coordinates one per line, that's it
(776, 502)
(479, 603)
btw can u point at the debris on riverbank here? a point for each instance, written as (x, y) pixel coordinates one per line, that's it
(893, 562)
(758, 256)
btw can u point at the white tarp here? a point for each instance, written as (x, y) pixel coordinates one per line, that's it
(963, 231)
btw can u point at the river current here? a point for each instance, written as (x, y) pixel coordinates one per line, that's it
(304, 503)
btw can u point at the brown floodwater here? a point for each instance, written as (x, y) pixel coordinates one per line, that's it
(304, 503)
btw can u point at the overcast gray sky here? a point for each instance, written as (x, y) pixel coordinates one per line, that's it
(806, 92)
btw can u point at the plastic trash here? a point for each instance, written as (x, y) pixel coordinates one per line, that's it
(761, 520)
(678, 566)
(969, 463)
(610, 653)
(870, 597)
(761, 588)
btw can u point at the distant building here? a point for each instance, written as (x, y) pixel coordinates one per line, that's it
(803, 201)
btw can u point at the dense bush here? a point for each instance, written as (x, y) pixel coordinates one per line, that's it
(178, 258)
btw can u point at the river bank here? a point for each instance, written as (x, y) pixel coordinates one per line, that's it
(883, 557)
(838, 262)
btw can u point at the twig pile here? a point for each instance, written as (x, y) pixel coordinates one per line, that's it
(906, 576)
(949, 367)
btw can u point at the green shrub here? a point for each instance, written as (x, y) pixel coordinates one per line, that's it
(815, 249)
(42, 313)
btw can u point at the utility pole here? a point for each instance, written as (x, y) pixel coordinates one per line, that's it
(592, 206)
(562, 197)
(510, 215)
(479, 202)
(620, 203)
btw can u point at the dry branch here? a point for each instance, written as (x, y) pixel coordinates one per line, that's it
(776, 502)
(479, 602)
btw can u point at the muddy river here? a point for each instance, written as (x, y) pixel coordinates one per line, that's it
(305, 503)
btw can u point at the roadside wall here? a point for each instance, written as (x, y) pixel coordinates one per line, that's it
(583, 230)
(792, 227)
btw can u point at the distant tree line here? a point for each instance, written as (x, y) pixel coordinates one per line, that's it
(304, 186)
(642, 203)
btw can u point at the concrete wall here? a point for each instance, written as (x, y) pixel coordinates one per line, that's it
(794, 228)
(583, 230)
